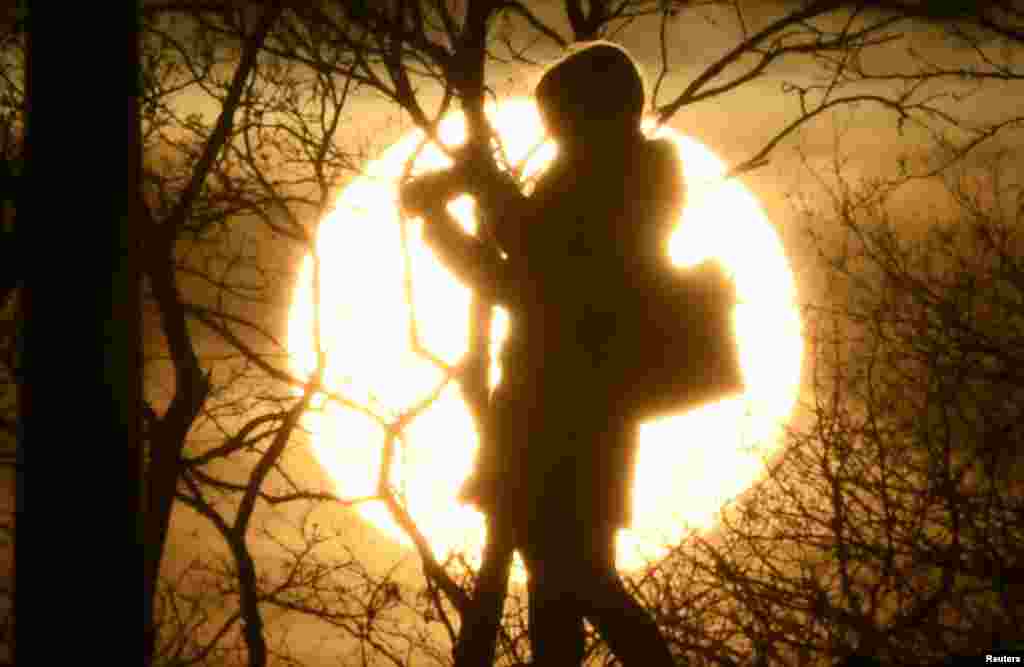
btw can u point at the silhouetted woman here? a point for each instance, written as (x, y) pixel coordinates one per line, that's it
(554, 476)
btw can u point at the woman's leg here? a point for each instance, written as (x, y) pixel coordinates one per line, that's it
(479, 632)
(556, 620)
(627, 628)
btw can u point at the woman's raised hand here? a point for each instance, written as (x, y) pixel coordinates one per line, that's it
(431, 191)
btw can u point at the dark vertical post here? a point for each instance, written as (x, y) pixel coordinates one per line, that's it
(76, 223)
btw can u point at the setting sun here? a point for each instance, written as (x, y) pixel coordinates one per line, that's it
(688, 465)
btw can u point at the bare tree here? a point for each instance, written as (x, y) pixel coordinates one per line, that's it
(232, 202)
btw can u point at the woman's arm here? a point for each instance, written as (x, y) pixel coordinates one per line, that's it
(513, 213)
(472, 261)
(494, 192)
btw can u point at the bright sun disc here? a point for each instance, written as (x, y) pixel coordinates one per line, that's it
(688, 466)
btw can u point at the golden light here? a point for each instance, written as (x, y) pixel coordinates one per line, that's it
(688, 466)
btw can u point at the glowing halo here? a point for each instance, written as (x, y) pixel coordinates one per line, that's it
(688, 466)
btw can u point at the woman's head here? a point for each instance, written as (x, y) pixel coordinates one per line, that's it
(593, 91)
